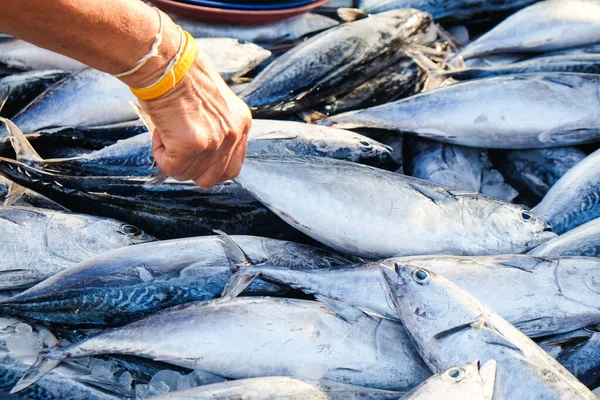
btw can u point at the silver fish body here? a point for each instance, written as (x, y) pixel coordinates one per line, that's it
(119, 286)
(539, 296)
(544, 26)
(25, 86)
(25, 56)
(38, 243)
(335, 62)
(581, 241)
(281, 388)
(273, 337)
(373, 213)
(231, 57)
(575, 198)
(509, 112)
(450, 327)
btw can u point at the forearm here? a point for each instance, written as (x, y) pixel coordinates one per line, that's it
(109, 35)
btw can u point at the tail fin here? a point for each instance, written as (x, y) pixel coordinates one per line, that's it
(24, 150)
(46, 361)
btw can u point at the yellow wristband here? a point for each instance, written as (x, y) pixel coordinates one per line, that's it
(173, 77)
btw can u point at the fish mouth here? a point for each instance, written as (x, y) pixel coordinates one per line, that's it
(545, 235)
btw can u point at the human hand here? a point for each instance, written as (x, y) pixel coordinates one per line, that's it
(201, 128)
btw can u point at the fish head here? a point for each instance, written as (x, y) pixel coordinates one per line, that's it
(116, 233)
(503, 228)
(467, 381)
(427, 303)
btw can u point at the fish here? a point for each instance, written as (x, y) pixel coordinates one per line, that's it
(13, 195)
(273, 337)
(24, 87)
(281, 387)
(468, 381)
(585, 64)
(83, 99)
(449, 327)
(575, 198)
(544, 26)
(372, 213)
(581, 241)
(133, 156)
(535, 171)
(38, 243)
(458, 167)
(24, 56)
(169, 211)
(578, 352)
(291, 29)
(400, 80)
(232, 57)
(336, 61)
(527, 111)
(117, 287)
(540, 296)
(448, 10)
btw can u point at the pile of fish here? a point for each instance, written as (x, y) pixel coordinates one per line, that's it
(417, 217)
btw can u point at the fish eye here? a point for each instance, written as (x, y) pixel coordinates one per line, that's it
(456, 374)
(421, 276)
(365, 145)
(130, 230)
(526, 215)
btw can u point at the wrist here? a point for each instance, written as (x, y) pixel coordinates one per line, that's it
(155, 66)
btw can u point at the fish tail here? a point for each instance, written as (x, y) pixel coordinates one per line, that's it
(46, 361)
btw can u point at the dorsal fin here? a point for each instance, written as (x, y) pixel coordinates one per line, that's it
(351, 14)
(24, 150)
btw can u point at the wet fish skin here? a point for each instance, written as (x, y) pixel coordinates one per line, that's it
(535, 171)
(467, 381)
(288, 30)
(527, 111)
(401, 210)
(39, 243)
(400, 80)
(133, 156)
(581, 241)
(357, 348)
(281, 388)
(585, 64)
(86, 98)
(25, 56)
(449, 326)
(171, 210)
(117, 287)
(448, 10)
(575, 198)
(335, 62)
(25, 86)
(232, 57)
(578, 352)
(543, 26)
(540, 296)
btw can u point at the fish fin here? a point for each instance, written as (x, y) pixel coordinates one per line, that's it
(351, 14)
(239, 279)
(240, 80)
(46, 361)
(449, 332)
(569, 343)
(233, 251)
(344, 311)
(15, 192)
(434, 193)
(274, 135)
(488, 378)
(25, 152)
(310, 117)
(436, 75)
(4, 94)
(156, 179)
(492, 335)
